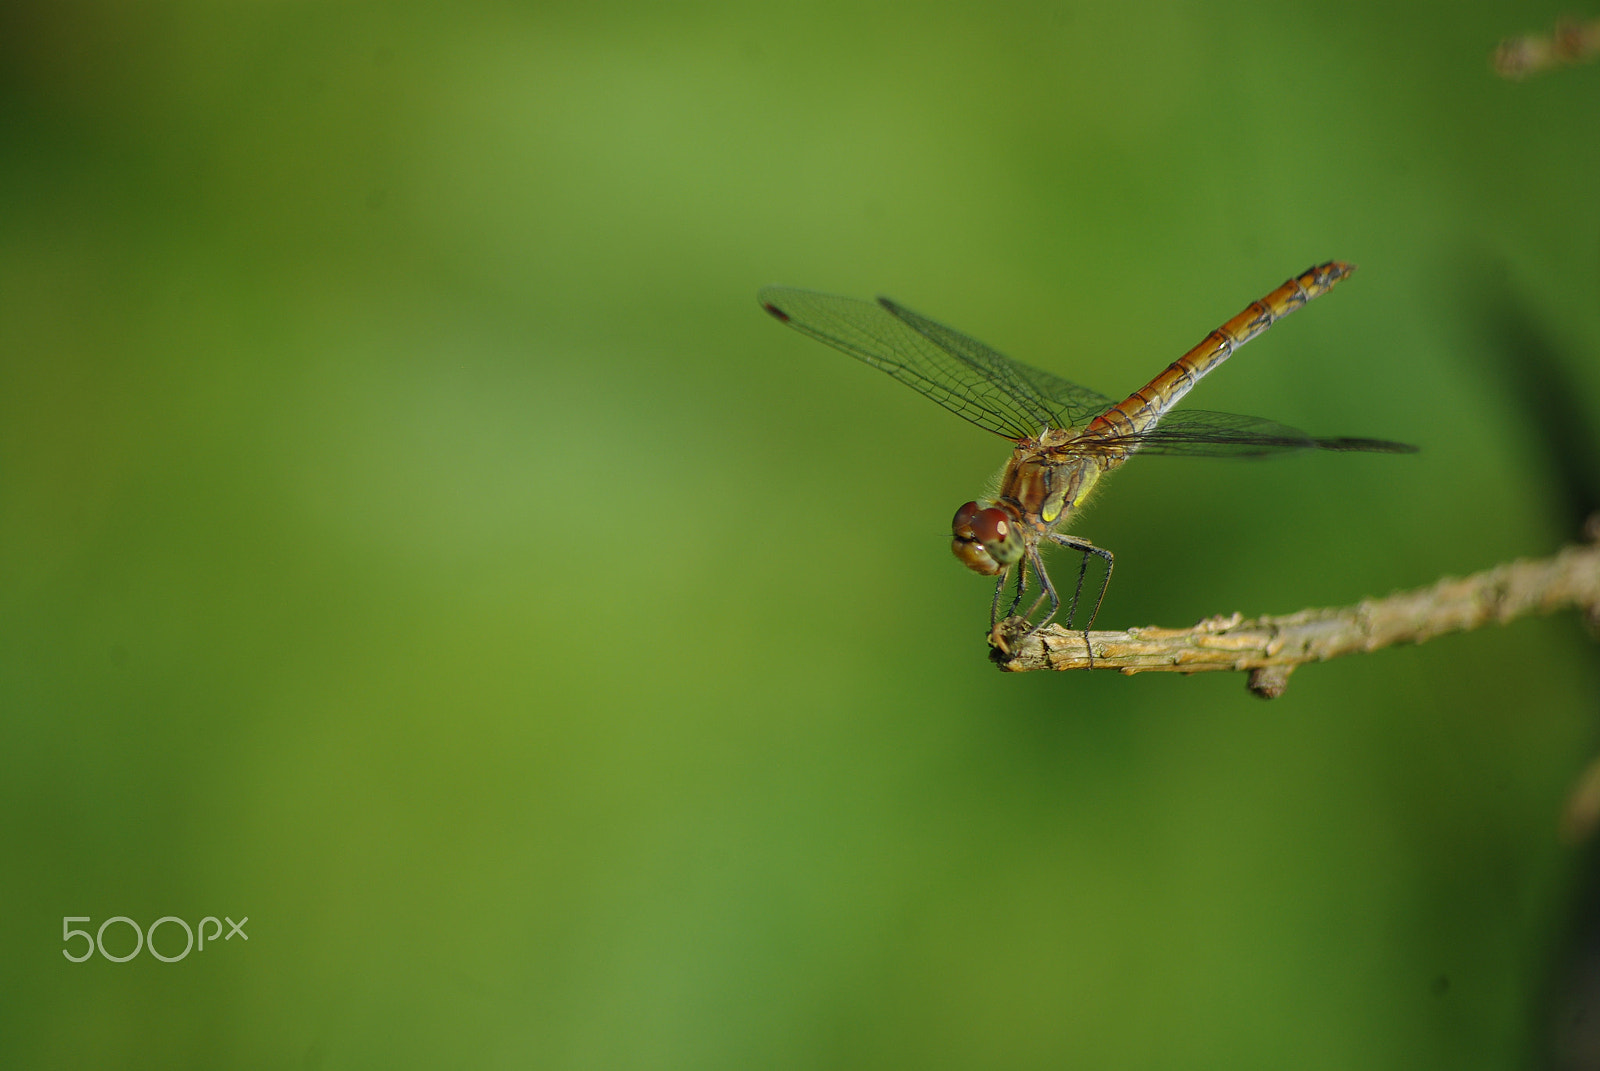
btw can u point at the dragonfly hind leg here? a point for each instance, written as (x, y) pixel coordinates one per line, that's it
(1086, 548)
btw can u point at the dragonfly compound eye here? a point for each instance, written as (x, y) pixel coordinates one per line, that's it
(991, 526)
(985, 539)
(966, 545)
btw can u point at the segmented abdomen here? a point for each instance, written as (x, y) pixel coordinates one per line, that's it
(1145, 406)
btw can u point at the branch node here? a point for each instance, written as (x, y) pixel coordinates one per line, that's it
(1269, 682)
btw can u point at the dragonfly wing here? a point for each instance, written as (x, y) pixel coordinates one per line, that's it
(960, 373)
(1062, 404)
(1198, 433)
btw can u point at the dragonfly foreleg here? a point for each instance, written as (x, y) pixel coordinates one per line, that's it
(1000, 627)
(1022, 588)
(1000, 589)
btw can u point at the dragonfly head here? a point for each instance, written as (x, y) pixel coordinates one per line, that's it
(987, 540)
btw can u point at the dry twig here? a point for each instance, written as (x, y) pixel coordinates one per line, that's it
(1572, 42)
(1269, 648)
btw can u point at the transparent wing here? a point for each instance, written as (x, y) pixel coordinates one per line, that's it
(1018, 401)
(960, 373)
(1198, 433)
(1064, 403)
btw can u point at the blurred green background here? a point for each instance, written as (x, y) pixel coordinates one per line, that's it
(414, 537)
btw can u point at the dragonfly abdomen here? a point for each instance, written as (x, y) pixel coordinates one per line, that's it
(1142, 409)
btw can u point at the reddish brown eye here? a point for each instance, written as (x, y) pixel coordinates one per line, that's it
(962, 525)
(991, 526)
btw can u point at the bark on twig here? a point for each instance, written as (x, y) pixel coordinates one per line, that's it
(1269, 648)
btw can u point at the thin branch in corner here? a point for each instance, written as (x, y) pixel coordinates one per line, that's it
(1269, 648)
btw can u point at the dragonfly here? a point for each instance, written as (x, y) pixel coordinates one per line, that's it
(1065, 437)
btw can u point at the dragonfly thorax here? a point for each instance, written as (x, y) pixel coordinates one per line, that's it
(1043, 483)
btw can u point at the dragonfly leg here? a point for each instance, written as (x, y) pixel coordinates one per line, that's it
(1086, 548)
(1022, 587)
(1047, 590)
(1000, 626)
(1077, 592)
(1006, 632)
